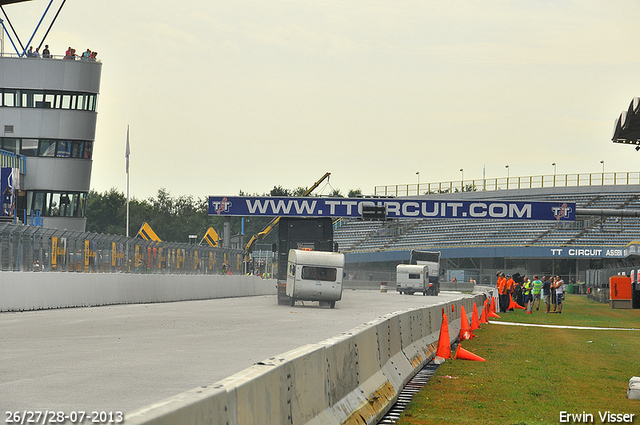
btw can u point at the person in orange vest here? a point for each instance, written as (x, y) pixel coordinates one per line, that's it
(510, 287)
(502, 291)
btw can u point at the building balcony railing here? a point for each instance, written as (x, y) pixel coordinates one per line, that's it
(12, 160)
(506, 183)
(51, 57)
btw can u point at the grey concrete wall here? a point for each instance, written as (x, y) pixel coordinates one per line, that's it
(21, 291)
(354, 378)
(391, 286)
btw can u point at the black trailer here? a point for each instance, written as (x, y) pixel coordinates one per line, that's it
(300, 233)
(431, 259)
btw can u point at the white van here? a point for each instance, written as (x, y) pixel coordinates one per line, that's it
(315, 276)
(412, 278)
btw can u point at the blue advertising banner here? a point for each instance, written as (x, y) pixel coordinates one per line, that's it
(396, 208)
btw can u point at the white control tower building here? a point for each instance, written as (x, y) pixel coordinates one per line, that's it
(48, 113)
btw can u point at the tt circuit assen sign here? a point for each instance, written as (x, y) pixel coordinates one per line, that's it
(396, 208)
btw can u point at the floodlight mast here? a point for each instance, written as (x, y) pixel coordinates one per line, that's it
(627, 125)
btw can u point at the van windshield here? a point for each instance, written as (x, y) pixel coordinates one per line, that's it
(319, 273)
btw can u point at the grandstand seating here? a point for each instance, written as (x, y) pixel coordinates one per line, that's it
(360, 236)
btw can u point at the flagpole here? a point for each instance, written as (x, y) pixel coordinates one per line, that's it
(127, 153)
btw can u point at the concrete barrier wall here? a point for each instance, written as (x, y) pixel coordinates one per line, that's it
(353, 378)
(391, 286)
(21, 291)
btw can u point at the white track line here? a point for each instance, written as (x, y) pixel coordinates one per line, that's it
(563, 327)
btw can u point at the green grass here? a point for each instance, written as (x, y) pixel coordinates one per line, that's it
(533, 373)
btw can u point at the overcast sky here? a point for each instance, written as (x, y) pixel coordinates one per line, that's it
(223, 96)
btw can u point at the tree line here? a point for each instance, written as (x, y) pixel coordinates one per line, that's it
(174, 218)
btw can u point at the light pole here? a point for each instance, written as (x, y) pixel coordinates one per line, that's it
(462, 180)
(418, 188)
(602, 162)
(554, 174)
(507, 167)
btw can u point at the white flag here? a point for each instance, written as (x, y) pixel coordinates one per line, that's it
(127, 151)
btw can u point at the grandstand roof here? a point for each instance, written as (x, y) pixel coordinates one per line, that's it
(627, 126)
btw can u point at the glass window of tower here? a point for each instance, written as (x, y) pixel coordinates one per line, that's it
(10, 145)
(64, 149)
(29, 147)
(76, 150)
(47, 148)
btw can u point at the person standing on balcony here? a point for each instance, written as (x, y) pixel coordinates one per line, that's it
(46, 53)
(70, 54)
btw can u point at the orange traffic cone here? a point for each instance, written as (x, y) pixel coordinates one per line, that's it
(513, 304)
(444, 343)
(463, 354)
(475, 323)
(492, 310)
(483, 316)
(465, 329)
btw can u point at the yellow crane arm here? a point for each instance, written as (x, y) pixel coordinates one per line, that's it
(269, 227)
(316, 184)
(259, 236)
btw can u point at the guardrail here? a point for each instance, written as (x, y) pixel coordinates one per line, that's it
(354, 378)
(506, 183)
(12, 160)
(34, 248)
(50, 57)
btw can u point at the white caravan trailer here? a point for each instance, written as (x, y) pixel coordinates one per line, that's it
(315, 276)
(412, 278)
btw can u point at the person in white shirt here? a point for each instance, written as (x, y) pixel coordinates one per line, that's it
(559, 285)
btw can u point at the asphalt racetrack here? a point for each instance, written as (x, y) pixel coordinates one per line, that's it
(124, 357)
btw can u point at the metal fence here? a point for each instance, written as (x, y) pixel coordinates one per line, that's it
(599, 278)
(34, 248)
(363, 276)
(505, 183)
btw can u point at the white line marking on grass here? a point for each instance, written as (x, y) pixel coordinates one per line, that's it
(563, 327)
